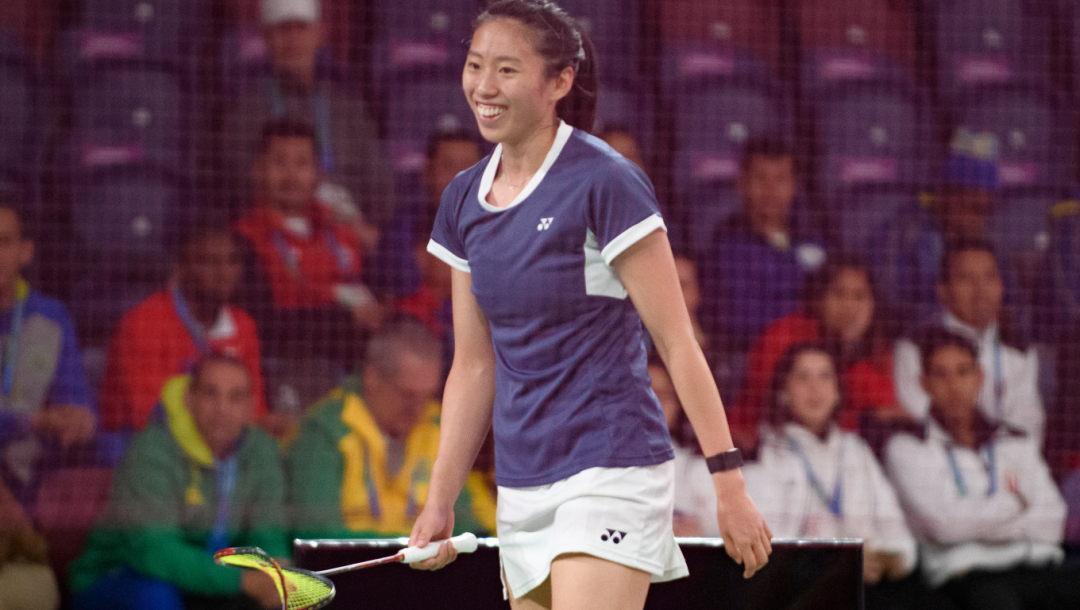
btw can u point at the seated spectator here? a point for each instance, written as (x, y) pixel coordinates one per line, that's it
(970, 292)
(303, 276)
(760, 256)
(172, 329)
(26, 580)
(356, 182)
(695, 492)
(430, 304)
(813, 480)
(448, 153)
(839, 308)
(45, 404)
(360, 465)
(907, 255)
(687, 272)
(620, 138)
(978, 495)
(196, 479)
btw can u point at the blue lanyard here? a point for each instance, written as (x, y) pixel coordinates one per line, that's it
(11, 349)
(999, 381)
(196, 330)
(226, 471)
(834, 502)
(320, 108)
(292, 263)
(990, 465)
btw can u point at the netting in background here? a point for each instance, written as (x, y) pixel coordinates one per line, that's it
(128, 124)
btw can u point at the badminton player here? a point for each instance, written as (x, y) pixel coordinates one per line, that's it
(559, 253)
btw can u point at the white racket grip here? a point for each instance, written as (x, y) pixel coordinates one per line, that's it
(465, 543)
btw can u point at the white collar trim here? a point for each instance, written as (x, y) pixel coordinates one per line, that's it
(561, 138)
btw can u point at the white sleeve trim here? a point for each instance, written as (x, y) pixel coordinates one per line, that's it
(448, 257)
(632, 236)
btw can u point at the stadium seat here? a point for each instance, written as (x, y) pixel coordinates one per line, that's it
(885, 27)
(627, 104)
(168, 31)
(18, 118)
(871, 150)
(989, 42)
(615, 29)
(416, 109)
(1034, 129)
(422, 36)
(751, 25)
(719, 97)
(130, 116)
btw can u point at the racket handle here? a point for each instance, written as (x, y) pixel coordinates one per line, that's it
(465, 543)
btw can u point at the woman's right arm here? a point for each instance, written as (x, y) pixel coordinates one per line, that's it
(466, 417)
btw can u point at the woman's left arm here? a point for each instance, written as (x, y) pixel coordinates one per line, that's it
(647, 270)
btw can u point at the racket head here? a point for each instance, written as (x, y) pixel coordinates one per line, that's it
(299, 589)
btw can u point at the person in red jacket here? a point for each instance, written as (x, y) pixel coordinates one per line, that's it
(172, 329)
(303, 270)
(840, 308)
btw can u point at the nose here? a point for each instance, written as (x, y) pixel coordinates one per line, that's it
(485, 84)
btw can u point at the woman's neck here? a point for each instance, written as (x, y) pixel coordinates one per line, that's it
(522, 159)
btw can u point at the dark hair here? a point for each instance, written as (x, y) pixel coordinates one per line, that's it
(764, 146)
(439, 137)
(284, 128)
(216, 358)
(933, 339)
(563, 43)
(202, 230)
(959, 246)
(777, 411)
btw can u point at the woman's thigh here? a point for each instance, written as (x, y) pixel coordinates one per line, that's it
(584, 582)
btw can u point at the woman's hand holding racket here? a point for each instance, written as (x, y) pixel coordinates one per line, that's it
(747, 538)
(434, 523)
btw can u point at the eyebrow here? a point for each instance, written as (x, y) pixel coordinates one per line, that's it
(508, 58)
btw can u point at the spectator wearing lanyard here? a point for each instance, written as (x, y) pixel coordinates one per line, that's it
(978, 495)
(302, 85)
(172, 329)
(199, 477)
(970, 291)
(303, 271)
(814, 480)
(45, 404)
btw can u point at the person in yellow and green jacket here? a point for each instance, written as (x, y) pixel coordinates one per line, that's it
(360, 464)
(198, 478)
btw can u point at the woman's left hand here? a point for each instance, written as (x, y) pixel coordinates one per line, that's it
(747, 538)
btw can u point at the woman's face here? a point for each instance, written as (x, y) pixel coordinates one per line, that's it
(506, 83)
(812, 390)
(847, 307)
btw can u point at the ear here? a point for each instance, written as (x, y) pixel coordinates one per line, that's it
(564, 82)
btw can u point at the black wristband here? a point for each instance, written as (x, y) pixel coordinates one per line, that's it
(728, 460)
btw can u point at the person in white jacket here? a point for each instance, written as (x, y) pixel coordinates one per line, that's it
(978, 495)
(971, 293)
(814, 480)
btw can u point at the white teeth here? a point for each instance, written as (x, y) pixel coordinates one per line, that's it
(487, 111)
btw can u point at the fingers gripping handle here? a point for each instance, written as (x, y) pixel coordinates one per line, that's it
(465, 543)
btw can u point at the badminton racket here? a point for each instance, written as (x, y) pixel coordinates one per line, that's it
(306, 590)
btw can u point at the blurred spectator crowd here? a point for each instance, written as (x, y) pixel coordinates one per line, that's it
(221, 326)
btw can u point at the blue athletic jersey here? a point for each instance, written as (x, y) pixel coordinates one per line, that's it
(572, 386)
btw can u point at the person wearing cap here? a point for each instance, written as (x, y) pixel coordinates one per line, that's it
(302, 84)
(907, 251)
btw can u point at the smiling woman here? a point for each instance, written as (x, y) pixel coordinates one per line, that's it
(559, 255)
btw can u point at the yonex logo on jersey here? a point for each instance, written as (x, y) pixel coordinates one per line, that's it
(615, 536)
(544, 224)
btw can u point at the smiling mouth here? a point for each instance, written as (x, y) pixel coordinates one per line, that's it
(489, 111)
